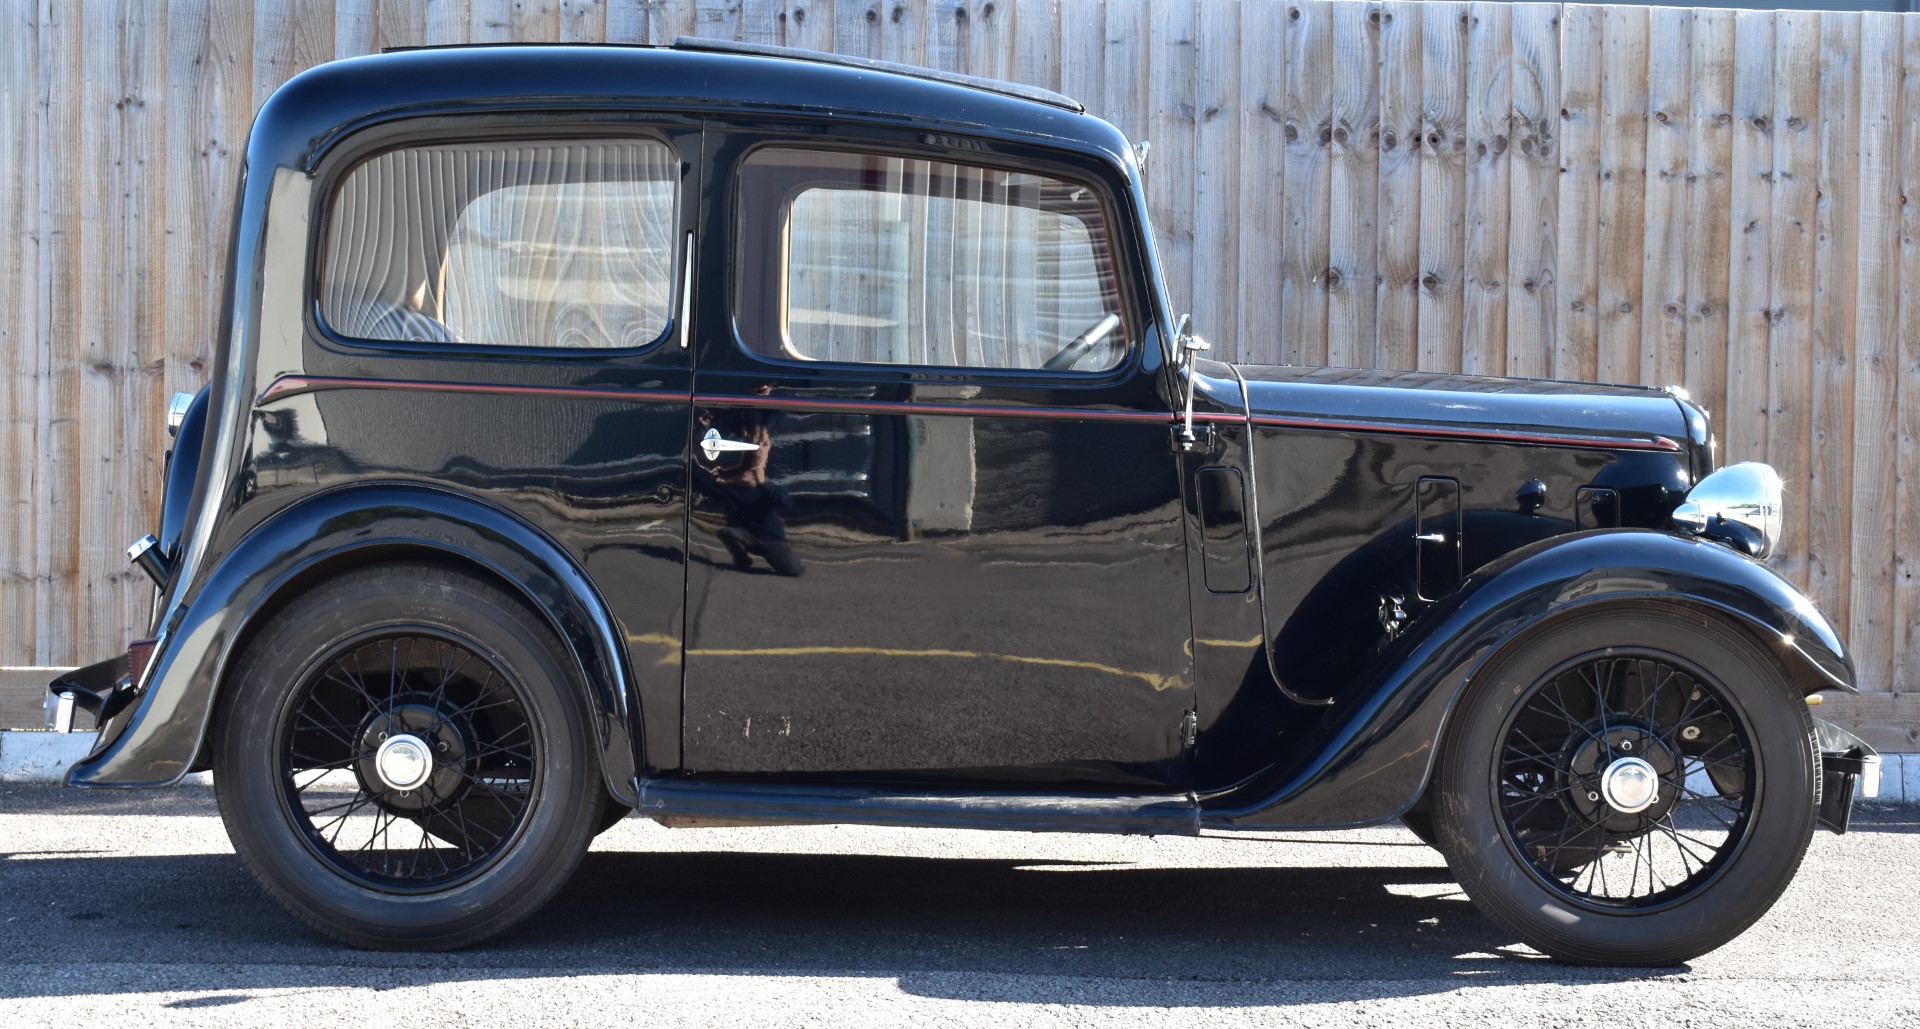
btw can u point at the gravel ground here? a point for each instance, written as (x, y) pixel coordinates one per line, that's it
(130, 907)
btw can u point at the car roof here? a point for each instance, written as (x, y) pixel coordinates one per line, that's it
(727, 46)
(323, 103)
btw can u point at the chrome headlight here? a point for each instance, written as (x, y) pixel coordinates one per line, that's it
(1739, 505)
(177, 412)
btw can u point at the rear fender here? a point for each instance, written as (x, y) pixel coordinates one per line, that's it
(154, 743)
(1369, 759)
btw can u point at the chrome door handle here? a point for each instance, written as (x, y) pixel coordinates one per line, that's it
(1432, 537)
(713, 445)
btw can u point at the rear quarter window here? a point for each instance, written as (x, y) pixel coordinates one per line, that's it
(565, 244)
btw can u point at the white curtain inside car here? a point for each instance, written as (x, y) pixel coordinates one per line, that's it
(551, 244)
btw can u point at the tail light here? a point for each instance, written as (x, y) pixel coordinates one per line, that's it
(139, 655)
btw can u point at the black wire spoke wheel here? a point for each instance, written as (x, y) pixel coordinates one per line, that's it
(1625, 779)
(1629, 785)
(408, 758)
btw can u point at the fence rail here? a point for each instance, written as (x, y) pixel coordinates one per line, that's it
(1718, 198)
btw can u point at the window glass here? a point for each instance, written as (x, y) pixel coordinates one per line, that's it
(887, 260)
(564, 244)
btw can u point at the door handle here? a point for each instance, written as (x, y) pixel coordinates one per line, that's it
(1432, 537)
(713, 445)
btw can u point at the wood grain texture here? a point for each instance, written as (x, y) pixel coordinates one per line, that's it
(1353, 185)
(1622, 197)
(20, 334)
(1443, 184)
(1262, 208)
(1663, 269)
(1906, 584)
(1172, 110)
(1722, 199)
(1533, 155)
(1215, 219)
(1743, 421)
(1796, 116)
(1874, 350)
(1835, 313)
(1483, 345)
(1704, 268)
(1576, 345)
(1397, 210)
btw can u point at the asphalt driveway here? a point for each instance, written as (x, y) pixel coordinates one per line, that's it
(130, 907)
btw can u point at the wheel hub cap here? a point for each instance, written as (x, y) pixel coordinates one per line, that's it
(1630, 785)
(403, 762)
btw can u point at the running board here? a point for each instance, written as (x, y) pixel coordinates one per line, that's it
(681, 802)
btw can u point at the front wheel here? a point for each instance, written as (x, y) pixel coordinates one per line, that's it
(403, 761)
(1628, 787)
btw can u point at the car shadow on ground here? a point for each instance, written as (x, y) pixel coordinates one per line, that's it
(964, 928)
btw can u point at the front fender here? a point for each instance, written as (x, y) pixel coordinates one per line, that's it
(155, 741)
(1369, 759)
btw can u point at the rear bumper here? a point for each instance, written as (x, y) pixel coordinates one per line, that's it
(102, 689)
(1845, 761)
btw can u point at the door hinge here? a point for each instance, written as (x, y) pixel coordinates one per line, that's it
(1198, 439)
(1189, 729)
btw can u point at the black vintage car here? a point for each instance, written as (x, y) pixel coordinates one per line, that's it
(746, 436)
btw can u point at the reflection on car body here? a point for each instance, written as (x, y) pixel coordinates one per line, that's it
(604, 430)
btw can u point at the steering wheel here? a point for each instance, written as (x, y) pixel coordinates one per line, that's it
(1082, 344)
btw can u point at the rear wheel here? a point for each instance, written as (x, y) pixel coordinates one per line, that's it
(1628, 787)
(402, 759)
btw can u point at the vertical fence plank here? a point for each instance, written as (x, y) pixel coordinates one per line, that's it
(1709, 156)
(903, 32)
(1443, 183)
(1263, 146)
(1215, 253)
(1796, 115)
(1036, 43)
(1576, 346)
(668, 20)
(1663, 290)
(1743, 421)
(398, 24)
(582, 21)
(20, 337)
(1083, 50)
(1874, 345)
(1353, 179)
(808, 24)
(1835, 307)
(1397, 211)
(1623, 174)
(1171, 111)
(1483, 348)
(627, 21)
(59, 598)
(1534, 159)
(1906, 586)
(763, 22)
(139, 310)
(946, 24)
(94, 301)
(356, 27)
(1309, 131)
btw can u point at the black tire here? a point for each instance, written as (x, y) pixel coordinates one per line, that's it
(500, 821)
(1522, 829)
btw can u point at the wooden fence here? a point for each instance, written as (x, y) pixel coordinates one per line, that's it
(1710, 197)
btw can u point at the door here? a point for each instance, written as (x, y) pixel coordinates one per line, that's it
(935, 528)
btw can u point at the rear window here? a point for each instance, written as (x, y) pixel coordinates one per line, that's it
(540, 244)
(865, 258)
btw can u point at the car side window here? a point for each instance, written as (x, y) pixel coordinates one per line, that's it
(527, 244)
(865, 258)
